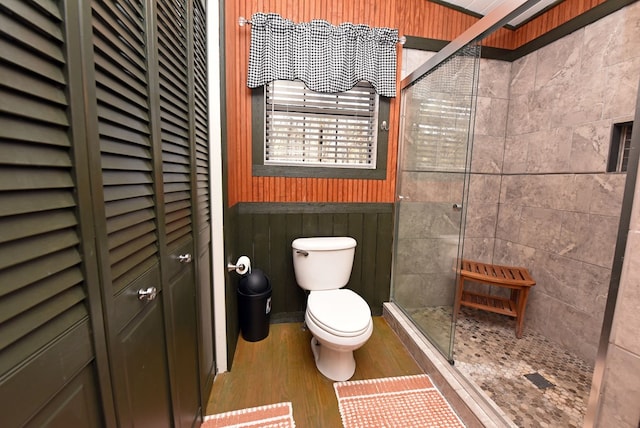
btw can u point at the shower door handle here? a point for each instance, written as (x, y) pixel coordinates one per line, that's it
(457, 207)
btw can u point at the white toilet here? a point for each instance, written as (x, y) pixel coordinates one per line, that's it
(339, 319)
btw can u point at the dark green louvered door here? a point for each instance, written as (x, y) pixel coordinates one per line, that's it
(104, 246)
(125, 183)
(144, 108)
(175, 138)
(49, 366)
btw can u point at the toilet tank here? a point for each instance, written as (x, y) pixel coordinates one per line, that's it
(323, 263)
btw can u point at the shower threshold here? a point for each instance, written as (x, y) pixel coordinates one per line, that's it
(473, 406)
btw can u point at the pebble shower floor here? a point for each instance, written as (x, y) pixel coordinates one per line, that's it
(488, 353)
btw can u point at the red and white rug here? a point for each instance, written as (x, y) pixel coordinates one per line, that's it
(403, 402)
(271, 416)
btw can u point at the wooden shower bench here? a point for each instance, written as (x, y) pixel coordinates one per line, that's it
(515, 278)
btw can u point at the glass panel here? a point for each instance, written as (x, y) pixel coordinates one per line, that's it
(438, 111)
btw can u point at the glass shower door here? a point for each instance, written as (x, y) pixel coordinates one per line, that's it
(433, 175)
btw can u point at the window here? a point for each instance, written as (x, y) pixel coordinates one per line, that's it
(620, 147)
(311, 134)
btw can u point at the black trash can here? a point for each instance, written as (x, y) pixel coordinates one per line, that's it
(254, 305)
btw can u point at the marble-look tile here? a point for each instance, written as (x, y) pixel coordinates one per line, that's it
(514, 254)
(531, 112)
(479, 249)
(590, 147)
(515, 156)
(484, 188)
(487, 154)
(554, 191)
(481, 220)
(548, 150)
(627, 318)
(419, 290)
(612, 39)
(523, 75)
(621, 81)
(558, 64)
(508, 227)
(574, 329)
(619, 404)
(427, 220)
(491, 116)
(576, 283)
(493, 81)
(588, 237)
(605, 192)
(427, 255)
(432, 187)
(540, 228)
(580, 101)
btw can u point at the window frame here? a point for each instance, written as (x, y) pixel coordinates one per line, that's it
(617, 147)
(313, 171)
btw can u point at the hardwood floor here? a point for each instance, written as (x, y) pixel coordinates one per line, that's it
(281, 368)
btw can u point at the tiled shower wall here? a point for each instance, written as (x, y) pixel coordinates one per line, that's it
(559, 210)
(539, 194)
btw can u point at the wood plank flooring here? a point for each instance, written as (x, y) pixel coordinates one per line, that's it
(281, 368)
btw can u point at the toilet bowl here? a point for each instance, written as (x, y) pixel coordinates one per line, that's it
(339, 319)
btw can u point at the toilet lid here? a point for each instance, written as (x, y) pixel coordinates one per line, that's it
(341, 312)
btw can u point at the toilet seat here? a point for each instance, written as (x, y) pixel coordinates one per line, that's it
(340, 312)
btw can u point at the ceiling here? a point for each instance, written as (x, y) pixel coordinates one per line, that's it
(482, 7)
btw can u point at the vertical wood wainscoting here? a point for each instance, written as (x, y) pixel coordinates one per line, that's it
(268, 230)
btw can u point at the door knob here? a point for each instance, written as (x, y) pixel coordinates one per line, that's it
(184, 258)
(148, 294)
(457, 207)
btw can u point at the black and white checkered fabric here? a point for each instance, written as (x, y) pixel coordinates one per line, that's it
(325, 57)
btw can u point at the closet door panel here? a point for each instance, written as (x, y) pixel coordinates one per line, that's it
(200, 129)
(176, 146)
(46, 349)
(127, 214)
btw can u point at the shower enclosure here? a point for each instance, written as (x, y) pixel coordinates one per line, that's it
(438, 110)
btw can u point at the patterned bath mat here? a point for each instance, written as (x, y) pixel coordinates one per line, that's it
(403, 402)
(272, 416)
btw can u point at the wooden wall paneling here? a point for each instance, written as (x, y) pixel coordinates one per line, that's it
(355, 225)
(368, 247)
(260, 245)
(384, 248)
(278, 266)
(295, 296)
(412, 17)
(269, 230)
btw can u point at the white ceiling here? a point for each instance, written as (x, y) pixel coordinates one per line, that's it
(483, 7)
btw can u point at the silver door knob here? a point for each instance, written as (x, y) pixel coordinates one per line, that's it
(184, 258)
(148, 294)
(457, 207)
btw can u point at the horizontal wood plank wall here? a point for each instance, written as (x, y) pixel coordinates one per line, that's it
(268, 230)
(418, 18)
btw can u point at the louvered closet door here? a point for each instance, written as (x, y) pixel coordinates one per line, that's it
(130, 251)
(203, 211)
(43, 301)
(180, 293)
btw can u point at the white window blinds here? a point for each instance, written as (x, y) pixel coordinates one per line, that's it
(308, 128)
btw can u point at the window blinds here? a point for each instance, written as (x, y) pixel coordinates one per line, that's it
(310, 128)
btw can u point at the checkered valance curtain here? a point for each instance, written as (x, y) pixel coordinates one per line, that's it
(325, 57)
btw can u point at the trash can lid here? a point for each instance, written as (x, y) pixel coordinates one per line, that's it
(255, 282)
